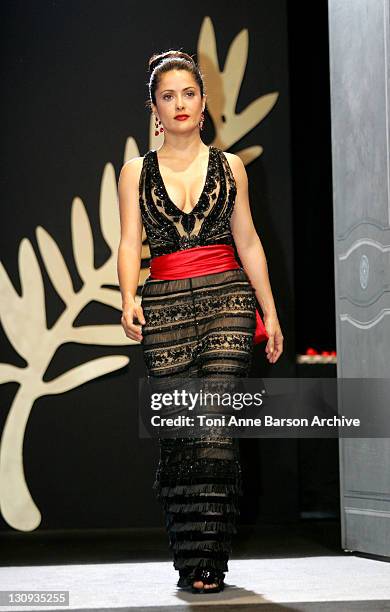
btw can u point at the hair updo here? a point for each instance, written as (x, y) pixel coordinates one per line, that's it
(171, 60)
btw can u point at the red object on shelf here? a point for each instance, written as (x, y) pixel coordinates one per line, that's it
(311, 351)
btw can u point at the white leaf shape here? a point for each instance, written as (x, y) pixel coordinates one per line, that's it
(24, 318)
(82, 239)
(55, 265)
(84, 373)
(12, 314)
(9, 373)
(109, 211)
(131, 149)
(235, 64)
(224, 87)
(257, 110)
(249, 154)
(33, 292)
(111, 297)
(107, 335)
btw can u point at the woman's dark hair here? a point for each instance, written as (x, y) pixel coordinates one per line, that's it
(171, 60)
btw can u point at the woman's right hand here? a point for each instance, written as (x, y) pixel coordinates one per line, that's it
(132, 313)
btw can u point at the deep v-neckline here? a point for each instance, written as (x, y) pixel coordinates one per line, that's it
(182, 212)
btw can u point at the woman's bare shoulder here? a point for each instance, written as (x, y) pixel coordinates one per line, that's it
(232, 158)
(236, 164)
(131, 169)
(134, 163)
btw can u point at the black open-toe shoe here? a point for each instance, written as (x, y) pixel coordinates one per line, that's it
(208, 576)
(184, 581)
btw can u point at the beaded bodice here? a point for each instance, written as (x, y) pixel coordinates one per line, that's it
(169, 229)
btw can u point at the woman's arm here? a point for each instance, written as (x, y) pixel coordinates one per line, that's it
(252, 256)
(129, 250)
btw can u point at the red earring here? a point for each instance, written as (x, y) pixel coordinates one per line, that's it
(156, 132)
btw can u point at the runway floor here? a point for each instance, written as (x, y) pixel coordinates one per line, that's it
(273, 568)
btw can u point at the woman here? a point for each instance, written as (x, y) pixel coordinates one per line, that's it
(198, 314)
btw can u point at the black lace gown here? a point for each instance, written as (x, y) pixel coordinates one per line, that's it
(197, 327)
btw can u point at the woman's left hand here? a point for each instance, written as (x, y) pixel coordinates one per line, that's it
(274, 347)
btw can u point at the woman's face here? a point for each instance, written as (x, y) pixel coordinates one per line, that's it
(178, 94)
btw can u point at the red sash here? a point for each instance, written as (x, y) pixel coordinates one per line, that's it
(196, 262)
